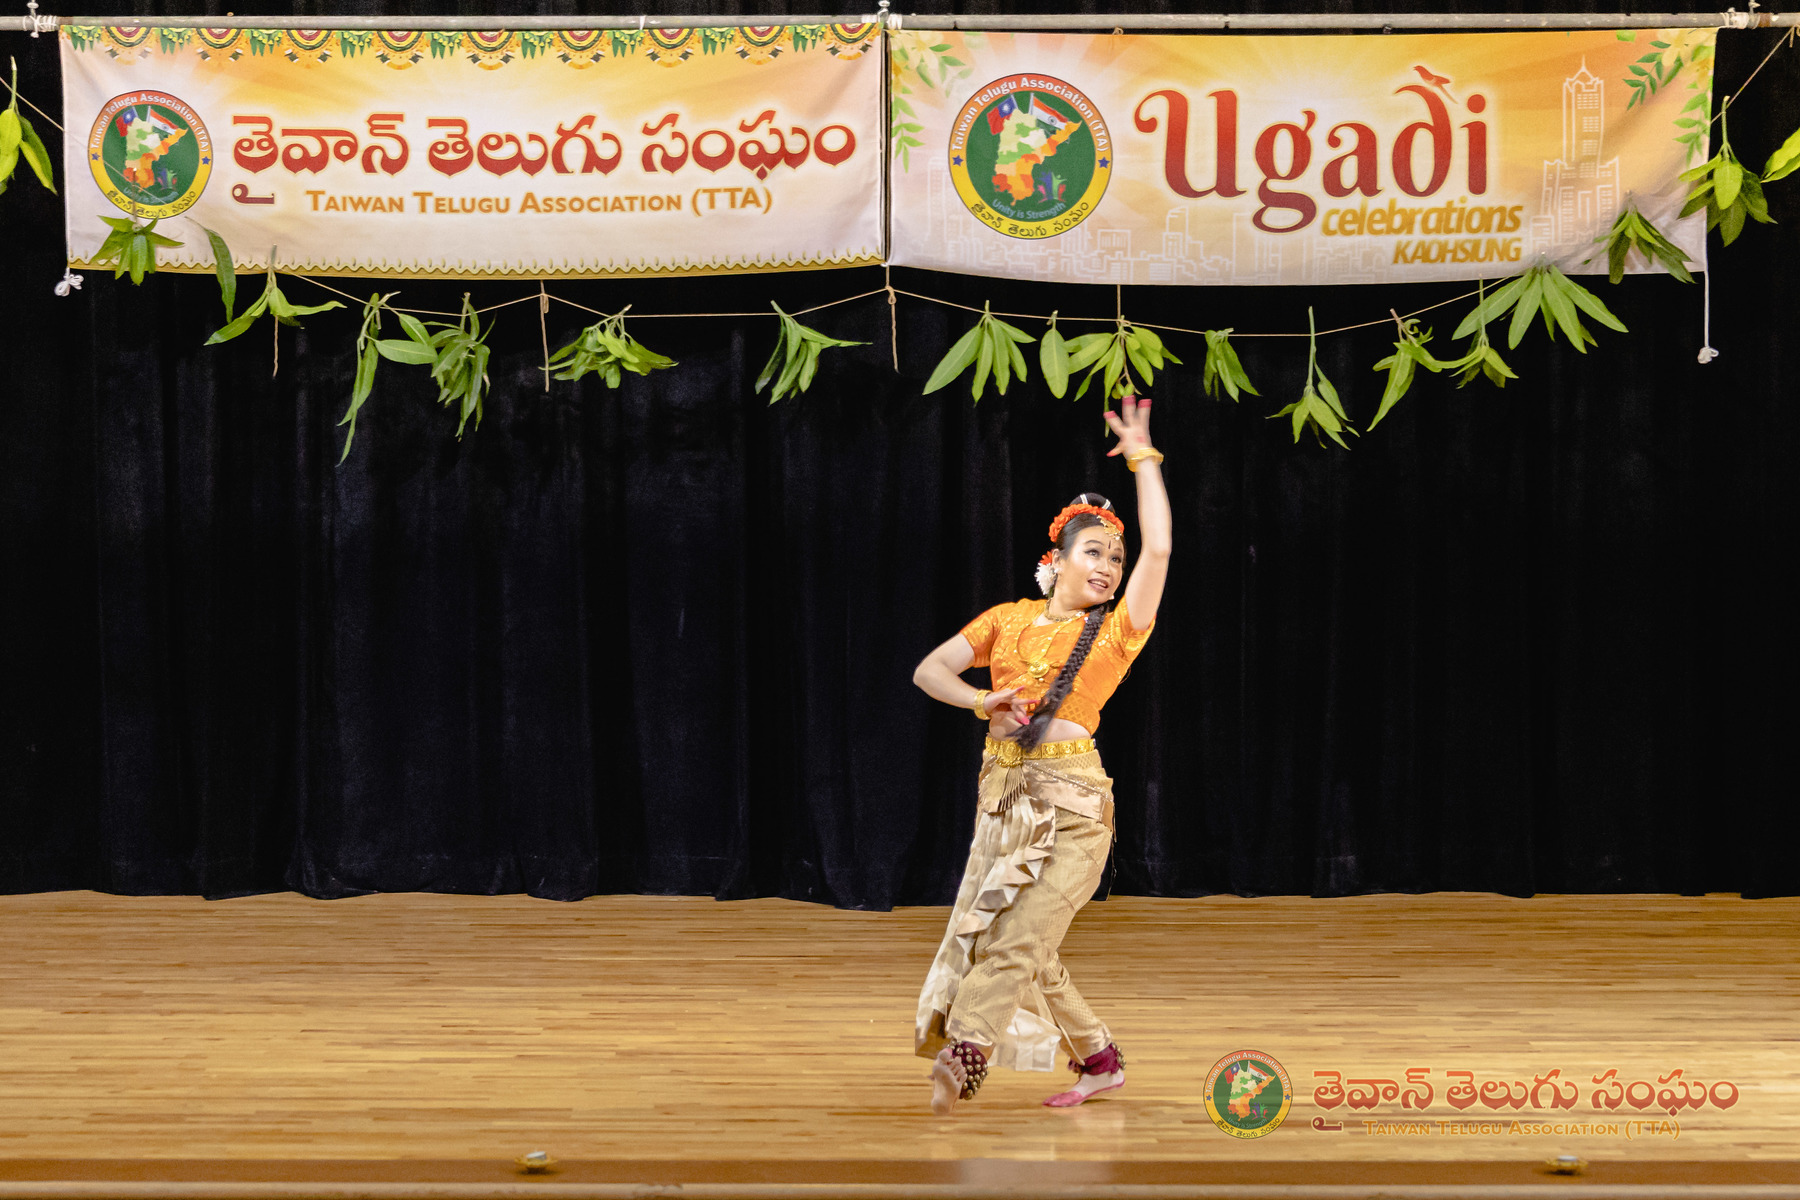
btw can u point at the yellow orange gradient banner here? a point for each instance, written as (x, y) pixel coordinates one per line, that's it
(1288, 160)
(677, 151)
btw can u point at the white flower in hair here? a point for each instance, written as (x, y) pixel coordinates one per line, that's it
(1046, 577)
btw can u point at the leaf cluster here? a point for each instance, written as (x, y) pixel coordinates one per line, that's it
(992, 347)
(271, 301)
(1223, 370)
(605, 349)
(1633, 232)
(460, 360)
(1408, 356)
(1728, 192)
(1318, 405)
(1547, 291)
(796, 354)
(131, 247)
(1112, 357)
(415, 348)
(1481, 359)
(19, 140)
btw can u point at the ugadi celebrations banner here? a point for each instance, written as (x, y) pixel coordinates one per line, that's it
(1288, 160)
(481, 154)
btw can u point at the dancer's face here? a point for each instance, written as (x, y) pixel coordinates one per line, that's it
(1090, 570)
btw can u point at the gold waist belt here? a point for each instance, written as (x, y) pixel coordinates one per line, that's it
(1011, 753)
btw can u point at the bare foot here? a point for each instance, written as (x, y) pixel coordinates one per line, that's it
(947, 1079)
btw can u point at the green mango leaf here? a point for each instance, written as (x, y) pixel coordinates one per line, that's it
(956, 361)
(1002, 360)
(1491, 307)
(1053, 360)
(1731, 221)
(1558, 306)
(404, 350)
(31, 147)
(984, 361)
(1727, 179)
(777, 357)
(242, 322)
(1784, 161)
(1589, 303)
(1530, 296)
(224, 269)
(1086, 350)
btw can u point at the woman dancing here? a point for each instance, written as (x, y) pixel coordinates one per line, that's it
(997, 991)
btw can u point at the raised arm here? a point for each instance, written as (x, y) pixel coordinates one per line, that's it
(1144, 589)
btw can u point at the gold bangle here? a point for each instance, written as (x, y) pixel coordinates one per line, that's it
(1137, 456)
(979, 707)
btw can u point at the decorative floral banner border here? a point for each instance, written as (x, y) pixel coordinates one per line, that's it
(489, 50)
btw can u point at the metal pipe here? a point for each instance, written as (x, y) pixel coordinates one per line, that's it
(1142, 22)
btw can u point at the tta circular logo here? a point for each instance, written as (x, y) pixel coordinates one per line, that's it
(1030, 156)
(150, 154)
(1247, 1094)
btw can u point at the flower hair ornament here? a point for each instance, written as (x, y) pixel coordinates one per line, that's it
(1046, 573)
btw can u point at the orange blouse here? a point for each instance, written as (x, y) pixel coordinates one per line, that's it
(1020, 654)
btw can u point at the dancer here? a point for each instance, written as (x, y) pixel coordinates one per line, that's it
(997, 992)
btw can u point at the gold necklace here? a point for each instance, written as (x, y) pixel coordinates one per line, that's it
(1038, 668)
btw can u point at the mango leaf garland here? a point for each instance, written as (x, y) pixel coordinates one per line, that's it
(1409, 355)
(1542, 290)
(131, 248)
(1728, 192)
(606, 350)
(271, 301)
(796, 357)
(1632, 232)
(992, 347)
(1223, 370)
(19, 140)
(1318, 405)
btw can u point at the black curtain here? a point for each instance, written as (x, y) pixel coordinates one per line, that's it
(660, 639)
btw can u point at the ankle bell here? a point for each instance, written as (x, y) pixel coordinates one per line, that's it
(1103, 1063)
(975, 1068)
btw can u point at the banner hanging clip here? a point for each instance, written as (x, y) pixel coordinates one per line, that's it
(39, 24)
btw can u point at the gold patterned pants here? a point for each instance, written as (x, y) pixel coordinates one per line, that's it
(1019, 950)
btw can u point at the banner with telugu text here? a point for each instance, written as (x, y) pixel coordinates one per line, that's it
(677, 151)
(1289, 160)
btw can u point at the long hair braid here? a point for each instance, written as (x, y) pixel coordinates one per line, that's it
(1032, 733)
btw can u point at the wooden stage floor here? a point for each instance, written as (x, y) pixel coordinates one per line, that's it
(404, 1045)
